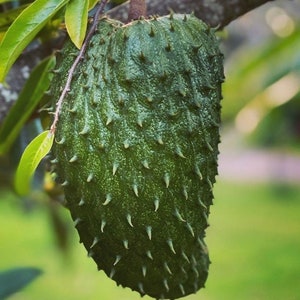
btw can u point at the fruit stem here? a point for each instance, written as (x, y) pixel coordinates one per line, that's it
(137, 9)
(66, 89)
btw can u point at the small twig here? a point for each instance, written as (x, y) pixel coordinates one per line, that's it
(66, 89)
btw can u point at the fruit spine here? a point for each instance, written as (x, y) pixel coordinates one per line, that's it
(136, 150)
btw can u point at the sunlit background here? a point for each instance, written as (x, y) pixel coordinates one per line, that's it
(254, 233)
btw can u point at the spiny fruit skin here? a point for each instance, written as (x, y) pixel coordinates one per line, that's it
(136, 150)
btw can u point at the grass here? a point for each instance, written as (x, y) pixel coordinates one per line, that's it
(254, 242)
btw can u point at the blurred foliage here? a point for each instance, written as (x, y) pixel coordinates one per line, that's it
(280, 127)
(253, 241)
(262, 87)
(31, 94)
(13, 280)
(255, 69)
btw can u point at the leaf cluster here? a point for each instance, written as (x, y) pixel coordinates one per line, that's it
(20, 25)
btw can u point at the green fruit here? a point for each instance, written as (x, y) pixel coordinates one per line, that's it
(136, 150)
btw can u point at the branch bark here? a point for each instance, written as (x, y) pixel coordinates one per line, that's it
(217, 13)
(214, 12)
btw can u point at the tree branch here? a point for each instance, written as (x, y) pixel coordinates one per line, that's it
(213, 12)
(217, 13)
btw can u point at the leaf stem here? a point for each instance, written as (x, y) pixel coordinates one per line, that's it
(80, 56)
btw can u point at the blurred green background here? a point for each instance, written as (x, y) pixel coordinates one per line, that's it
(254, 237)
(253, 240)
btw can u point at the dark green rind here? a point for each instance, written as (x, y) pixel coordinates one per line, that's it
(136, 150)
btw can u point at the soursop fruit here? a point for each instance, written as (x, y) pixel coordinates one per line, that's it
(136, 149)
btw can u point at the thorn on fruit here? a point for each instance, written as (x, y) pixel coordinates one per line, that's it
(202, 245)
(190, 229)
(206, 218)
(77, 221)
(129, 220)
(168, 47)
(126, 144)
(95, 241)
(149, 232)
(201, 203)
(142, 56)
(125, 36)
(135, 189)
(167, 180)
(73, 159)
(171, 246)
(178, 151)
(109, 120)
(141, 288)
(81, 202)
(144, 271)
(108, 198)
(196, 288)
(195, 271)
(182, 92)
(196, 48)
(182, 289)
(185, 193)
(54, 161)
(101, 146)
(73, 110)
(125, 244)
(61, 142)
(103, 223)
(65, 183)
(85, 130)
(90, 253)
(198, 172)
(156, 204)
(90, 177)
(145, 164)
(112, 273)
(172, 28)
(166, 285)
(159, 140)
(151, 33)
(118, 258)
(140, 122)
(209, 183)
(185, 257)
(115, 168)
(178, 215)
(149, 254)
(167, 268)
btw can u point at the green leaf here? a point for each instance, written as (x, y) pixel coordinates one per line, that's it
(254, 69)
(13, 280)
(1, 35)
(7, 17)
(29, 97)
(76, 20)
(92, 3)
(32, 156)
(24, 29)
(4, 1)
